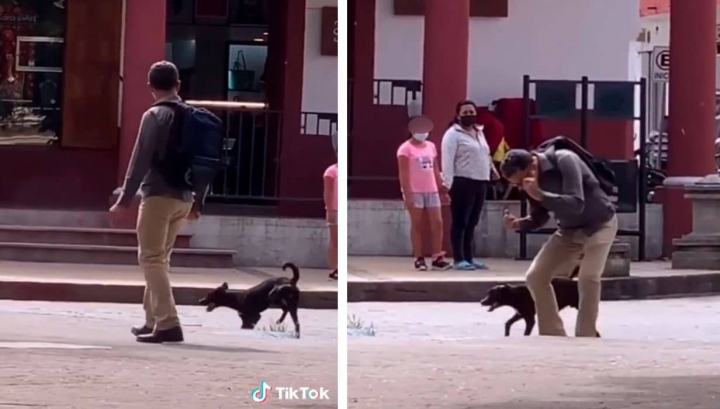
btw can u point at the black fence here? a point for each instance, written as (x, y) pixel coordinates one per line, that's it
(613, 100)
(250, 173)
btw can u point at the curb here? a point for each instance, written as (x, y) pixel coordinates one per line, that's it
(613, 289)
(129, 294)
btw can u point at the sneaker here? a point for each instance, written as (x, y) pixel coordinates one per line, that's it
(464, 266)
(440, 264)
(420, 264)
(479, 265)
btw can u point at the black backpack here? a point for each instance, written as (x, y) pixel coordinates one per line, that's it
(599, 167)
(194, 149)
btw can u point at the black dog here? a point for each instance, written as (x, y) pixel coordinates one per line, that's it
(279, 292)
(519, 298)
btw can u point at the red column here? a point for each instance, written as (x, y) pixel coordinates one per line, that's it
(295, 151)
(445, 60)
(144, 44)
(692, 108)
(445, 69)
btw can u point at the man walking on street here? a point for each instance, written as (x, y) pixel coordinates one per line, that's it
(559, 181)
(163, 207)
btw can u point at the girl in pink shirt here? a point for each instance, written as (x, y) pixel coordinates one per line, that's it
(330, 195)
(419, 180)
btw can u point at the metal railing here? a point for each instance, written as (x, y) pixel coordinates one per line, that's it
(250, 172)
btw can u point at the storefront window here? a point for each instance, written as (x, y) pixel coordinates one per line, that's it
(32, 36)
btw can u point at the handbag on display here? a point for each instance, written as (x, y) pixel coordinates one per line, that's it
(241, 79)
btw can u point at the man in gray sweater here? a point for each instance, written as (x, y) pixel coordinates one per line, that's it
(163, 208)
(559, 181)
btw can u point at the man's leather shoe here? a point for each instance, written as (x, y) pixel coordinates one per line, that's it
(165, 335)
(143, 330)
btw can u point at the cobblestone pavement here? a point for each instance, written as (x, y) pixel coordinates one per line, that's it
(217, 367)
(653, 355)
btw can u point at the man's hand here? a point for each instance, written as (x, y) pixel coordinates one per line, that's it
(530, 186)
(494, 175)
(193, 215)
(509, 221)
(117, 208)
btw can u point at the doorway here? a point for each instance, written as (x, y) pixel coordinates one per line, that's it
(227, 51)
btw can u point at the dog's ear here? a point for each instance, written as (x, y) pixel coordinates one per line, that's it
(224, 286)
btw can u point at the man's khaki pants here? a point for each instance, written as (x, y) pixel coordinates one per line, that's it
(159, 221)
(559, 256)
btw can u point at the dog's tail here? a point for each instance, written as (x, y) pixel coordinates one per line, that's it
(296, 273)
(575, 273)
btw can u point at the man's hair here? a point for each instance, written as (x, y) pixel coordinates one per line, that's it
(516, 160)
(163, 76)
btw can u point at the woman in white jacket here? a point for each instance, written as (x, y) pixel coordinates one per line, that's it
(467, 169)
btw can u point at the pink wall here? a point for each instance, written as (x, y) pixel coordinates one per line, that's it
(144, 45)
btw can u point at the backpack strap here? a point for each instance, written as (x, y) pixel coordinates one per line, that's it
(174, 127)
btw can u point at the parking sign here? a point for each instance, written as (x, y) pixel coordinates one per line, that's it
(660, 63)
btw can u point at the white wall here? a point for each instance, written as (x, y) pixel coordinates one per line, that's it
(658, 27)
(320, 75)
(546, 39)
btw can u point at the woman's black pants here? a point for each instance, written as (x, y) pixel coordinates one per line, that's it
(467, 197)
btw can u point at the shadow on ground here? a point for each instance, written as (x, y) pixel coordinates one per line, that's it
(697, 392)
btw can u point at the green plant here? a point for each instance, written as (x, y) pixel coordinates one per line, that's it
(274, 327)
(357, 325)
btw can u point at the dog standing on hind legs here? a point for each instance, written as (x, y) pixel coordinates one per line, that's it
(279, 292)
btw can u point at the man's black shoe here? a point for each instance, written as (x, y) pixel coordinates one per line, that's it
(160, 336)
(144, 330)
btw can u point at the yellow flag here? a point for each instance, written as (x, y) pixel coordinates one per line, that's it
(501, 150)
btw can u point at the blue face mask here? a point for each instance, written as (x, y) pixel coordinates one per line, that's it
(420, 136)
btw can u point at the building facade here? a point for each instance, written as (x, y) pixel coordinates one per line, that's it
(74, 88)
(399, 57)
(435, 53)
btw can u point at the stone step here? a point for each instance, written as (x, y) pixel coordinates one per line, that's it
(77, 235)
(99, 254)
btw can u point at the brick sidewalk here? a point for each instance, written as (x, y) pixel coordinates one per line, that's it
(124, 284)
(394, 279)
(534, 373)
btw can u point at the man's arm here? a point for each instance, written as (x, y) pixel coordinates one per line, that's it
(572, 198)
(538, 217)
(141, 159)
